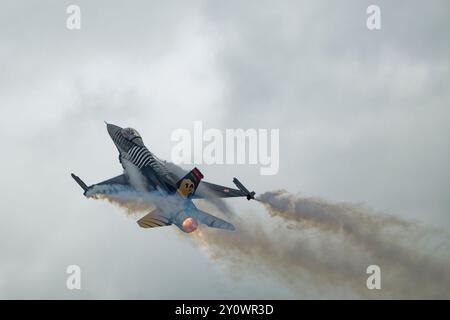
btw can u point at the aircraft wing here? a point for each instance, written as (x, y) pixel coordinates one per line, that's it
(210, 190)
(105, 186)
(212, 221)
(120, 179)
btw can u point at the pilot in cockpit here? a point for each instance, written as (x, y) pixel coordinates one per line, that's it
(133, 136)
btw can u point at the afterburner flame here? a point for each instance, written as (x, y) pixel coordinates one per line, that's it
(189, 225)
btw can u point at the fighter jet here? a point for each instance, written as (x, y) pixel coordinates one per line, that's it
(174, 188)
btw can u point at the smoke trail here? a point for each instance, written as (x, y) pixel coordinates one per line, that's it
(320, 245)
(331, 244)
(125, 197)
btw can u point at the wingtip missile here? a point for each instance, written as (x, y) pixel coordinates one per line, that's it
(80, 182)
(250, 195)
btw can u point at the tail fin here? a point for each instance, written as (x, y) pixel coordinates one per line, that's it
(187, 185)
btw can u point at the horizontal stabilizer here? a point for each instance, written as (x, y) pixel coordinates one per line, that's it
(154, 219)
(213, 221)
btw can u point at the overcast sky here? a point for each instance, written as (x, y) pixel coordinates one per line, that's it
(363, 117)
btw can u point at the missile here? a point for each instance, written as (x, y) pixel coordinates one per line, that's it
(80, 182)
(250, 195)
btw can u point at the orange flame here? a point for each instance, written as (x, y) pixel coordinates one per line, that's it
(189, 225)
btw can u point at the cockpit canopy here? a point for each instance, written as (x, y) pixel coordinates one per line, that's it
(132, 135)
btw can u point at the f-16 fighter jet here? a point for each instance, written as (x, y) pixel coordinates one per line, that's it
(170, 189)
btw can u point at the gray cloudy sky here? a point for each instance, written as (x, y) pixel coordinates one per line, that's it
(363, 117)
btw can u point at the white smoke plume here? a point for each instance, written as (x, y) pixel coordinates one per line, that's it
(125, 197)
(315, 242)
(331, 245)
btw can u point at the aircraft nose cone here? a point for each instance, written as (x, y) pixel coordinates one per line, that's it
(112, 129)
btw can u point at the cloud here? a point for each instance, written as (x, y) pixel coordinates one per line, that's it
(362, 118)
